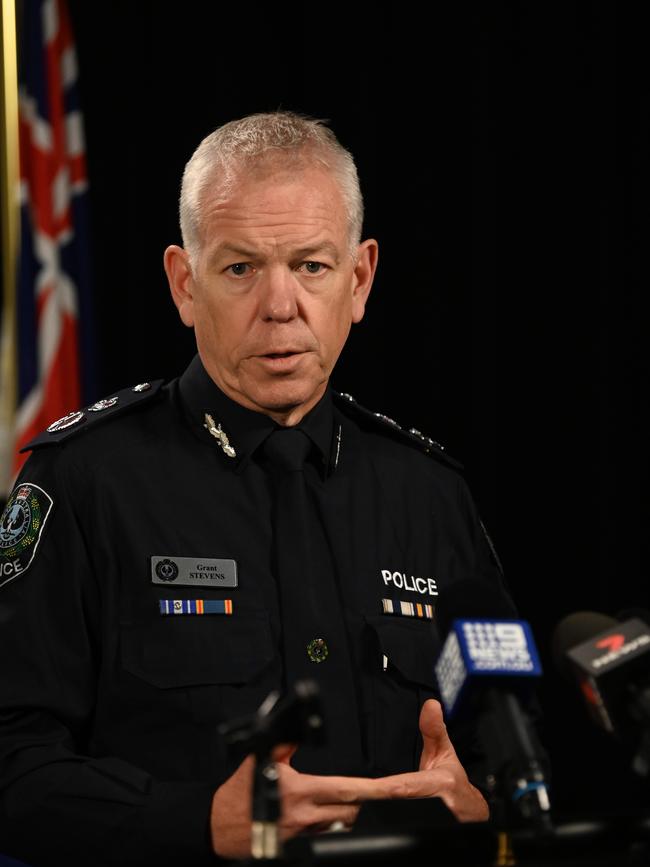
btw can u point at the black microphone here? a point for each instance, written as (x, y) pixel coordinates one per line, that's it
(610, 661)
(630, 613)
(485, 671)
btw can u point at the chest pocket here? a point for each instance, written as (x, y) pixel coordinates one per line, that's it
(411, 645)
(197, 670)
(398, 692)
(190, 650)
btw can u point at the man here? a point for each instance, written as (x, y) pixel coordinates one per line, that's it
(166, 501)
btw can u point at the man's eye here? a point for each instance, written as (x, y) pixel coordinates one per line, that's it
(312, 267)
(238, 269)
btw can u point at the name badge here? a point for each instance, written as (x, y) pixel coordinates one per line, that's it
(193, 571)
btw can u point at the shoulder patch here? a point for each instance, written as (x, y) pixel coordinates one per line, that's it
(349, 406)
(82, 419)
(21, 526)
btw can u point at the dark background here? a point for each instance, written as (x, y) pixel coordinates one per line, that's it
(503, 153)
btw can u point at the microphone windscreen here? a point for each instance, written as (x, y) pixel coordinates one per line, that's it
(471, 600)
(573, 630)
(631, 613)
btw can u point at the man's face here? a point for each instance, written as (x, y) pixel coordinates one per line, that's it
(275, 289)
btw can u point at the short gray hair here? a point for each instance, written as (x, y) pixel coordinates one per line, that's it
(241, 143)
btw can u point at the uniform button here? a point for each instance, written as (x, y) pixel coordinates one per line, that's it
(317, 650)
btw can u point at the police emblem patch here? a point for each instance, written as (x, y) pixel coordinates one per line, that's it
(167, 570)
(21, 525)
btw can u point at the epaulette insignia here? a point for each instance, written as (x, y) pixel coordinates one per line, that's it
(81, 419)
(412, 436)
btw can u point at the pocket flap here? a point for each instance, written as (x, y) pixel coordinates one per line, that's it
(412, 646)
(192, 650)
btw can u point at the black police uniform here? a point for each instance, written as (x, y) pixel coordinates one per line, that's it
(109, 701)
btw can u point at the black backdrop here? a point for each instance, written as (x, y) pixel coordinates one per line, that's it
(503, 153)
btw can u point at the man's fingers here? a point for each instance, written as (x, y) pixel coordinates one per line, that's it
(329, 790)
(463, 799)
(319, 818)
(309, 802)
(283, 753)
(356, 790)
(323, 791)
(417, 784)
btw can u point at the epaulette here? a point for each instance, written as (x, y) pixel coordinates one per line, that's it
(410, 436)
(80, 420)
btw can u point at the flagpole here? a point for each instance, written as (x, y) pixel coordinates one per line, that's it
(10, 220)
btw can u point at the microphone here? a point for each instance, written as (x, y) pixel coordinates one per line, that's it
(611, 662)
(485, 671)
(293, 718)
(629, 613)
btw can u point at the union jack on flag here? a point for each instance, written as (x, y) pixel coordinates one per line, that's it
(53, 291)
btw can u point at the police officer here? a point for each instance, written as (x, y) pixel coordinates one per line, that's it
(174, 552)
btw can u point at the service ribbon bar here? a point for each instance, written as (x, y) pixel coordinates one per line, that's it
(195, 606)
(407, 609)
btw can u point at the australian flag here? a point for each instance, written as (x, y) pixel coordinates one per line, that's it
(54, 329)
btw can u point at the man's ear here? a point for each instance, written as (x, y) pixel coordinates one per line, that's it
(181, 282)
(364, 274)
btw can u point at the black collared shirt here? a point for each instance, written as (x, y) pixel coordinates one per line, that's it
(245, 427)
(109, 708)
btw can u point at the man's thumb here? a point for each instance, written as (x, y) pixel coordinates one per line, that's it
(284, 753)
(434, 732)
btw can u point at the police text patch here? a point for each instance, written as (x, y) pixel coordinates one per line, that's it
(21, 525)
(403, 581)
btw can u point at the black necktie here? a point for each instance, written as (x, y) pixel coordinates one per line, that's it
(314, 638)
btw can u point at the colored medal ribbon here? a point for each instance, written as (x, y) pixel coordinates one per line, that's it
(195, 606)
(407, 609)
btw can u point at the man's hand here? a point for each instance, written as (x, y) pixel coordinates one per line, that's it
(313, 803)
(309, 803)
(441, 773)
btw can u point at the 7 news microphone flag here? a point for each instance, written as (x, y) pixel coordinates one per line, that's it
(51, 358)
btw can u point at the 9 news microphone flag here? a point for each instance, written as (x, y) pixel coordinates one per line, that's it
(53, 340)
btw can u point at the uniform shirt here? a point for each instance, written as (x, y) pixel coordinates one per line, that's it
(109, 706)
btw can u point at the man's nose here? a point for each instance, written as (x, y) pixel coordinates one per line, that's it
(278, 294)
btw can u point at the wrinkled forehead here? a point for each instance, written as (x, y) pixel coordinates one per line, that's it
(273, 188)
(278, 164)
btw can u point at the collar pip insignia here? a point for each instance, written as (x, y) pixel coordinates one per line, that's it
(219, 435)
(107, 403)
(67, 421)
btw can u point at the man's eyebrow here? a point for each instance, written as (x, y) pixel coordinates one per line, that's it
(325, 247)
(220, 249)
(301, 253)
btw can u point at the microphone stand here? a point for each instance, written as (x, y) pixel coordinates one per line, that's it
(294, 718)
(516, 781)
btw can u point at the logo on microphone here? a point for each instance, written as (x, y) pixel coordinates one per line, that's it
(617, 649)
(482, 650)
(611, 642)
(497, 646)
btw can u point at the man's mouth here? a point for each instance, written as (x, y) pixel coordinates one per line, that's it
(286, 361)
(282, 353)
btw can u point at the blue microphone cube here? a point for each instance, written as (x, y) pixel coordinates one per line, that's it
(481, 651)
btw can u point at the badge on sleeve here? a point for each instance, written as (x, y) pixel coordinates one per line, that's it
(21, 525)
